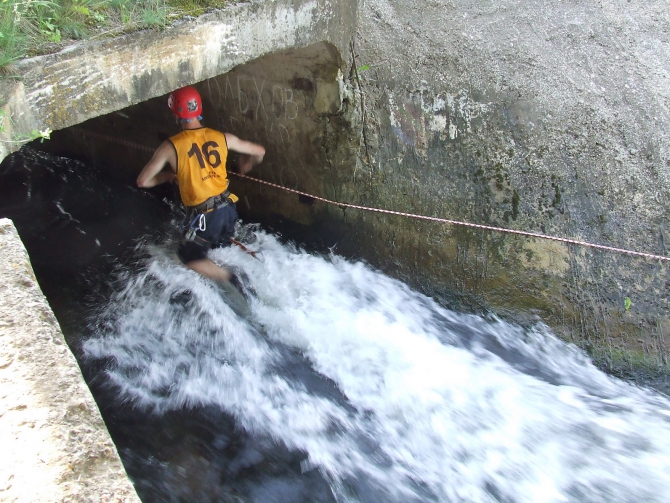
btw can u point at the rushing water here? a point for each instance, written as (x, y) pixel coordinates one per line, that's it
(391, 397)
(340, 384)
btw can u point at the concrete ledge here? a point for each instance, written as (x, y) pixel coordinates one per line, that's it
(55, 446)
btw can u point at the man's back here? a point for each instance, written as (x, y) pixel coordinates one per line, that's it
(201, 164)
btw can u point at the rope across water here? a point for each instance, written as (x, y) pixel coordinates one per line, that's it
(456, 222)
(411, 215)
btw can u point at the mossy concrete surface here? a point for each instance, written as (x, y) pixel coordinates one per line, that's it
(547, 117)
(55, 446)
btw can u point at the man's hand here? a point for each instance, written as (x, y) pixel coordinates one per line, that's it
(251, 154)
(165, 176)
(244, 164)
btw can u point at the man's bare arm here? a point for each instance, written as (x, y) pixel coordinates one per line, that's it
(152, 174)
(251, 154)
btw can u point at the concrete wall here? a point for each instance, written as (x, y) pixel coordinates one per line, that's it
(545, 116)
(55, 447)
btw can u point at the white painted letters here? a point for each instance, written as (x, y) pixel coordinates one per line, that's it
(269, 102)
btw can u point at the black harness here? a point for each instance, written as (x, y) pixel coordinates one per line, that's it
(211, 204)
(195, 216)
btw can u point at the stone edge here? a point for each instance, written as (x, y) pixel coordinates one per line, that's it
(56, 446)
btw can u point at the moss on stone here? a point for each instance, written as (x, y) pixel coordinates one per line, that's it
(631, 364)
(196, 7)
(515, 204)
(557, 195)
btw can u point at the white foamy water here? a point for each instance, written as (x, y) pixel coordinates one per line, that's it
(392, 397)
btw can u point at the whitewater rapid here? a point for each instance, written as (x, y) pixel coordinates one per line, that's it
(392, 397)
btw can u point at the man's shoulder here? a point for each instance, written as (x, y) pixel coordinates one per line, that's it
(177, 137)
(203, 133)
(216, 131)
(207, 131)
(211, 132)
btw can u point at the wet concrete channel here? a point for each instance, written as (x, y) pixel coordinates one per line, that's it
(498, 115)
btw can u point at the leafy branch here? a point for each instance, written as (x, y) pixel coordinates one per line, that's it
(44, 134)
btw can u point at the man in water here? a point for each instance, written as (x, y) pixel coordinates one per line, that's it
(196, 159)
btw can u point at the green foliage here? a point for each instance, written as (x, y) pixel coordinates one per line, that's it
(11, 40)
(35, 134)
(154, 14)
(627, 303)
(33, 27)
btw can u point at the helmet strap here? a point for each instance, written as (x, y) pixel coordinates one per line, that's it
(180, 120)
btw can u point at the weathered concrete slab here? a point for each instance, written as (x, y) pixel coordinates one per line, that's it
(544, 116)
(55, 446)
(95, 78)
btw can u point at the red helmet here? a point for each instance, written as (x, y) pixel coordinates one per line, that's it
(185, 103)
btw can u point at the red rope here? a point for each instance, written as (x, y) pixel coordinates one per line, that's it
(410, 215)
(456, 222)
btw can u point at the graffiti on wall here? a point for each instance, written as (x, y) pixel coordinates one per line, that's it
(249, 105)
(418, 115)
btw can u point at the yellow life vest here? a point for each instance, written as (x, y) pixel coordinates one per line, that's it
(201, 164)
